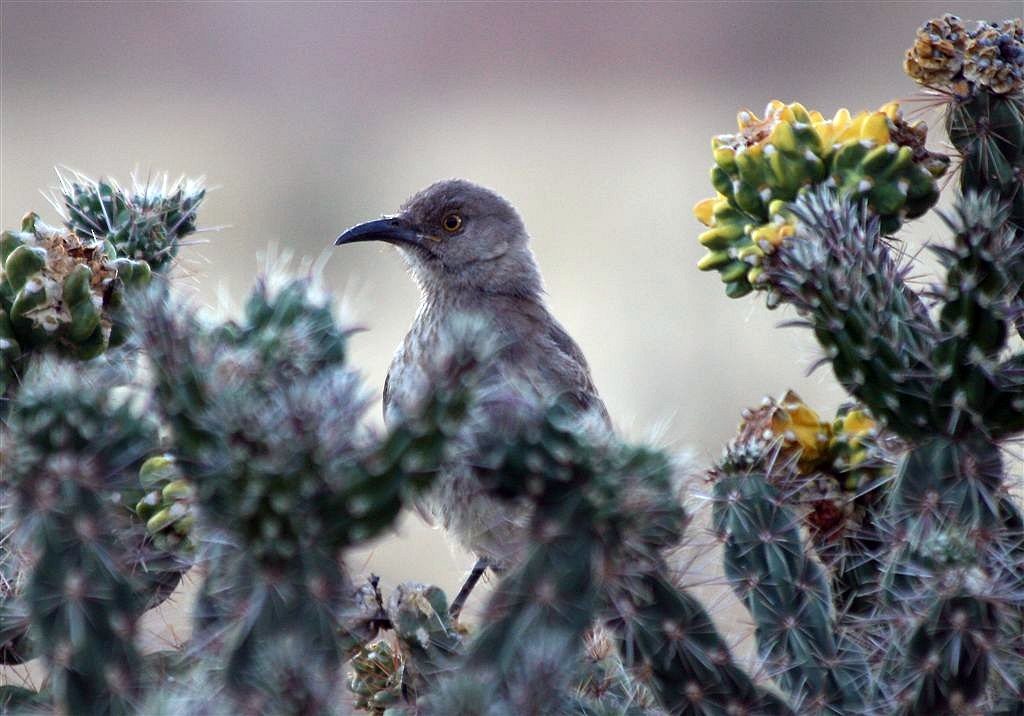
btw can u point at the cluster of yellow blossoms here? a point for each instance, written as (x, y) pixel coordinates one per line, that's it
(871, 156)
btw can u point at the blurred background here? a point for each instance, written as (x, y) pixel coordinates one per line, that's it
(593, 119)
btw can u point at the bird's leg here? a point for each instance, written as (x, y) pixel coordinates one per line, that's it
(474, 576)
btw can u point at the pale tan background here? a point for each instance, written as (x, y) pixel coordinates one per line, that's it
(594, 119)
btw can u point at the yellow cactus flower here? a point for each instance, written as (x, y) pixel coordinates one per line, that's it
(772, 234)
(802, 428)
(873, 156)
(704, 208)
(857, 424)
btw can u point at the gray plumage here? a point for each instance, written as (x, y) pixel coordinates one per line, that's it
(468, 251)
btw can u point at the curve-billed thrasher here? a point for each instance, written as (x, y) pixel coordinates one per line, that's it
(468, 251)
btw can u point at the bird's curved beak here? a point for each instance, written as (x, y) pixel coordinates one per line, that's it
(391, 229)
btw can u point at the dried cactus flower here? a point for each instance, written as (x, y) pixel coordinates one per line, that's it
(820, 466)
(947, 56)
(61, 293)
(937, 54)
(994, 57)
(876, 157)
(783, 431)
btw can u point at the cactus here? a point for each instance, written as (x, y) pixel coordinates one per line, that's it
(920, 610)
(264, 415)
(879, 551)
(72, 445)
(63, 291)
(166, 508)
(376, 680)
(874, 156)
(60, 293)
(145, 223)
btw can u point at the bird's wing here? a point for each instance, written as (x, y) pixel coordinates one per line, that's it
(544, 356)
(572, 374)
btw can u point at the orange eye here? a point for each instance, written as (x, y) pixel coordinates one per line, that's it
(451, 222)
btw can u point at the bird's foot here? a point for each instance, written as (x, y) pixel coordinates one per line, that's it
(467, 588)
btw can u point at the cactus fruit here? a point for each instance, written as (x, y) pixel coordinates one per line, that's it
(427, 638)
(936, 57)
(61, 293)
(145, 223)
(873, 156)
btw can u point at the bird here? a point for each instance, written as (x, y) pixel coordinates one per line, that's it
(468, 250)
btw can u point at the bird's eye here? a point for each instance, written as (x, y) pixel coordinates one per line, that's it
(451, 222)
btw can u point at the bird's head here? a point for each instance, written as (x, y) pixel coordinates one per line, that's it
(457, 235)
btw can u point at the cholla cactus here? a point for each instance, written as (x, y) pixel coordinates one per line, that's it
(879, 552)
(71, 446)
(63, 291)
(167, 505)
(146, 222)
(874, 156)
(265, 419)
(60, 293)
(913, 600)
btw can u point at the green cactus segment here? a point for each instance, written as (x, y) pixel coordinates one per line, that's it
(875, 158)
(786, 592)
(875, 330)
(264, 414)
(15, 645)
(983, 267)
(278, 382)
(605, 684)
(427, 638)
(10, 353)
(167, 506)
(275, 631)
(145, 223)
(945, 484)
(600, 504)
(376, 679)
(670, 638)
(288, 328)
(988, 131)
(1010, 379)
(60, 293)
(946, 661)
(560, 570)
(72, 447)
